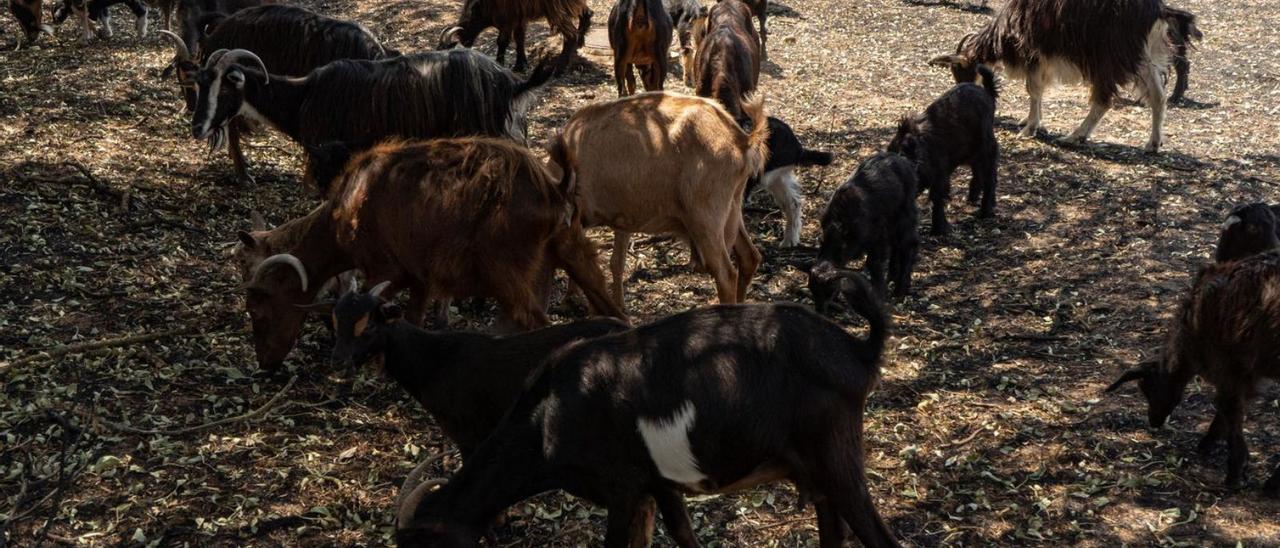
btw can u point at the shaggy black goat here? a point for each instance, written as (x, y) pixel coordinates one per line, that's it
(1108, 43)
(786, 153)
(1249, 230)
(640, 35)
(1227, 331)
(713, 400)
(436, 94)
(89, 11)
(957, 129)
(293, 41)
(195, 16)
(872, 214)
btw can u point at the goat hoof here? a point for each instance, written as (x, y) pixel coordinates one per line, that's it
(1072, 139)
(1153, 147)
(1027, 132)
(1234, 483)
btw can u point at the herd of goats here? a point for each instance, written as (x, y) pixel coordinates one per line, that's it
(428, 186)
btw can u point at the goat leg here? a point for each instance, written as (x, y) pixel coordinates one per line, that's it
(522, 60)
(676, 518)
(1099, 104)
(626, 519)
(504, 40)
(1232, 410)
(1216, 429)
(984, 182)
(1182, 70)
(940, 194)
(1270, 489)
(234, 130)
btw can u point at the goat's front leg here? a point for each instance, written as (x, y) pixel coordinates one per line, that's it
(831, 532)
(1154, 85)
(676, 518)
(784, 188)
(630, 524)
(234, 131)
(1035, 92)
(1216, 430)
(522, 60)
(1099, 104)
(1231, 408)
(85, 26)
(504, 40)
(618, 262)
(983, 182)
(940, 194)
(1182, 71)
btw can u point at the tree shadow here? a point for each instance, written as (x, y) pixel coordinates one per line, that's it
(967, 7)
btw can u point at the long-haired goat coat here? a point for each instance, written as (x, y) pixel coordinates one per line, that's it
(1107, 43)
(661, 162)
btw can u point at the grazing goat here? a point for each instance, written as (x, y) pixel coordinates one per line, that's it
(664, 162)
(957, 129)
(1249, 230)
(714, 400)
(444, 218)
(1108, 43)
(1182, 32)
(196, 17)
(727, 65)
(785, 154)
(292, 41)
(30, 17)
(570, 18)
(89, 11)
(640, 35)
(872, 214)
(435, 94)
(1227, 331)
(690, 20)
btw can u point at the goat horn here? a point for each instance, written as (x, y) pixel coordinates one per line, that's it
(377, 290)
(1130, 375)
(225, 60)
(326, 288)
(410, 485)
(448, 33)
(282, 258)
(180, 50)
(214, 57)
(1230, 221)
(404, 514)
(47, 30)
(945, 60)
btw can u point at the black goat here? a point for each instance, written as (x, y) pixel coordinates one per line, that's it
(640, 35)
(293, 41)
(195, 17)
(570, 18)
(713, 400)
(435, 94)
(957, 129)
(786, 153)
(1182, 32)
(872, 214)
(1108, 43)
(1227, 331)
(89, 11)
(685, 16)
(1249, 230)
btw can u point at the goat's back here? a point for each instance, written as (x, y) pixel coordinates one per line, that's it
(1232, 315)
(728, 57)
(293, 41)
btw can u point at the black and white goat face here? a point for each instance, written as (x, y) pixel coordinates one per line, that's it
(359, 325)
(220, 93)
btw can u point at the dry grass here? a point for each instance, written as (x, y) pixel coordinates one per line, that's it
(989, 428)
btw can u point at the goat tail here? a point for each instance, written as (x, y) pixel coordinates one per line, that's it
(815, 158)
(861, 298)
(757, 143)
(1183, 24)
(989, 82)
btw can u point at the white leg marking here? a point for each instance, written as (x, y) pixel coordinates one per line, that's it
(784, 188)
(1035, 90)
(668, 443)
(1090, 122)
(1150, 77)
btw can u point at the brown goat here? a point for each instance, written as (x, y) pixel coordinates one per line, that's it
(640, 34)
(664, 162)
(727, 64)
(444, 218)
(1228, 332)
(569, 18)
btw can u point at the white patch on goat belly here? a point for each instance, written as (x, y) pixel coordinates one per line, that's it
(667, 440)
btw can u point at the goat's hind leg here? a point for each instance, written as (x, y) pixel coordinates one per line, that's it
(784, 188)
(1217, 429)
(1099, 104)
(1035, 92)
(841, 473)
(1231, 407)
(576, 254)
(1149, 75)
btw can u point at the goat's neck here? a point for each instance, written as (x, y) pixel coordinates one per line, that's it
(312, 240)
(279, 102)
(425, 364)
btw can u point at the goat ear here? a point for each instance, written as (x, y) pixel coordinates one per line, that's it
(390, 312)
(246, 239)
(1130, 375)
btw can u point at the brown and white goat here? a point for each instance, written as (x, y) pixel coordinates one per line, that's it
(661, 162)
(1227, 331)
(714, 400)
(1107, 43)
(293, 41)
(30, 17)
(727, 65)
(640, 35)
(444, 218)
(435, 94)
(570, 18)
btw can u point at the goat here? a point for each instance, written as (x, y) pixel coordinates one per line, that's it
(690, 20)
(570, 18)
(956, 129)
(786, 152)
(293, 41)
(444, 218)
(194, 17)
(727, 64)
(1249, 229)
(1182, 32)
(89, 11)
(872, 214)
(30, 17)
(640, 35)
(1108, 43)
(1227, 331)
(434, 94)
(664, 162)
(713, 400)
(518, 31)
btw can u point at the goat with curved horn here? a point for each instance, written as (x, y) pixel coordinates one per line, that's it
(376, 291)
(409, 489)
(449, 37)
(285, 259)
(221, 60)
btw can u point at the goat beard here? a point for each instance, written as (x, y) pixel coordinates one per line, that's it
(217, 138)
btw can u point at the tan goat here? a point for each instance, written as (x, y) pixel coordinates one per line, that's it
(663, 162)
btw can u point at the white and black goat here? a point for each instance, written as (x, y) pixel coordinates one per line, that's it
(957, 129)
(1227, 331)
(1107, 43)
(293, 41)
(88, 12)
(1249, 229)
(786, 153)
(436, 94)
(713, 400)
(872, 214)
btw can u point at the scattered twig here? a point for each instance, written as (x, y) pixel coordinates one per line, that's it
(966, 439)
(263, 410)
(57, 351)
(790, 521)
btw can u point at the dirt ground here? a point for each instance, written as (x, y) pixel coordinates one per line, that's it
(990, 426)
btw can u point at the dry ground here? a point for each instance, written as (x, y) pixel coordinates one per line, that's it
(990, 426)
